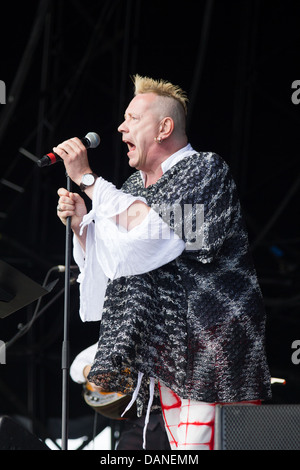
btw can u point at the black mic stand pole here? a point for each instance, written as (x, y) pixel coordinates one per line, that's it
(65, 346)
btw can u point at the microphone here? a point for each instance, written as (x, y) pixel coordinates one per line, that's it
(91, 140)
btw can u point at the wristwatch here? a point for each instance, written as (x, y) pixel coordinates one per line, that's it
(87, 180)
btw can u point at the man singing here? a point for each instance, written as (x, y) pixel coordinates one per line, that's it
(165, 265)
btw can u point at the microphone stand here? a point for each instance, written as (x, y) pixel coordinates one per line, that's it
(65, 346)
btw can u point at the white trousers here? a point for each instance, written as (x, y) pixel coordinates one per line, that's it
(189, 423)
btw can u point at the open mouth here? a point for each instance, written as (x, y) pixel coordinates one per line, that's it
(130, 145)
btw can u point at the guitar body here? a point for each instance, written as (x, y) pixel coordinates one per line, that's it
(111, 405)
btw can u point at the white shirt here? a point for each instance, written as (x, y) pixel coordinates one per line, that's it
(84, 358)
(112, 252)
(173, 159)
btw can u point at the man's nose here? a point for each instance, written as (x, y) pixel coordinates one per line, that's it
(122, 127)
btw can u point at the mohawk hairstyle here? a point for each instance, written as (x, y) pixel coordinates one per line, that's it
(161, 88)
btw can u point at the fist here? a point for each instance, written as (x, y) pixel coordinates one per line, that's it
(75, 158)
(71, 205)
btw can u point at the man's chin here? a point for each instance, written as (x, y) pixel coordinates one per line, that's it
(133, 162)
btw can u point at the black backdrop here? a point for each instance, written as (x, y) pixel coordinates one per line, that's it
(67, 67)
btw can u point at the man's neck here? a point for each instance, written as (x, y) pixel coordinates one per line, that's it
(151, 177)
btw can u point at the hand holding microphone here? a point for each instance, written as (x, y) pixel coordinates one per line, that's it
(73, 152)
(91, 140)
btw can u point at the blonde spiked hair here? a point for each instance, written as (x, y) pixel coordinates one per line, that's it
(173, 102)
(161, 88)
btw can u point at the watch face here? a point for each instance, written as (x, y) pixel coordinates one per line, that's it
(88, 180)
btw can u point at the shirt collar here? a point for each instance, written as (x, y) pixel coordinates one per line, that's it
(173, 159)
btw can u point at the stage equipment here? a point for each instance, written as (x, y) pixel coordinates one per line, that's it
(257, 427)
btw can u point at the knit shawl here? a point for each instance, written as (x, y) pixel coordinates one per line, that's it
(197, 324)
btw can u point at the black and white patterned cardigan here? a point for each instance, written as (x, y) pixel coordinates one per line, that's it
(197, 324)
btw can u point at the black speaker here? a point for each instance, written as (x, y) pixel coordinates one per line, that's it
(257, 427)
(13, 436)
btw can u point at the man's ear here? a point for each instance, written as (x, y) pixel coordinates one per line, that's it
(166, 127)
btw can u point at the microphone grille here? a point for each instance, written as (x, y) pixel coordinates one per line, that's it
(94, 139)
